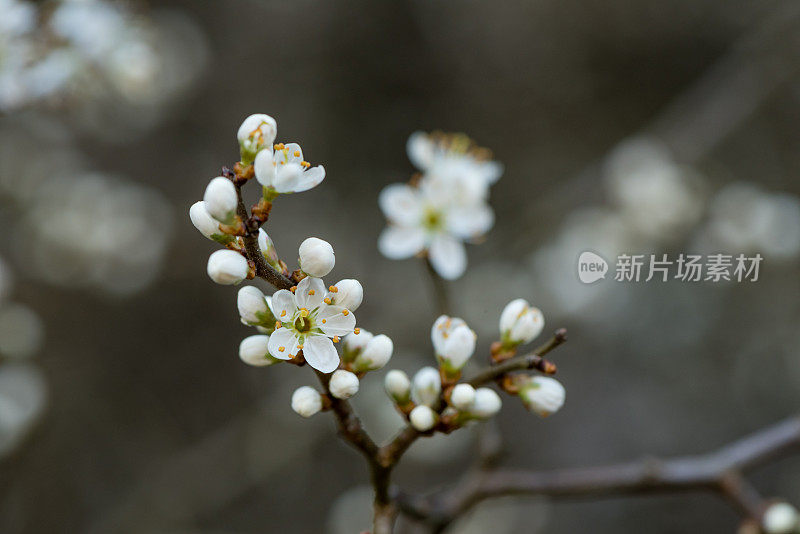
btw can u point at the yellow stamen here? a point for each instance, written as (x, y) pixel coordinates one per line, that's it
(333, 289)
(283, 313)
(293, 289)
(281, 349)
(303, 312)
(326, 300)
(335, 339)
(345, 312)
(324, 321)
(300, 347)
(278, 324)
(305, 164)
(357, 331)
(297, 153)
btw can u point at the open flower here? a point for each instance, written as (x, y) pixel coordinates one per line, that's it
(426, 218)
(431, 151)
(307, 323)
(283, 169)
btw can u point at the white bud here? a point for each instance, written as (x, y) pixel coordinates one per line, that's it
(220, 199)
(349, 294)
(252, 306)
(781, 518)
(256, 132)
(206, 224)
(422, 418)
(441, 330)
(457, 349)
(462, 396)
(227, 267)
(398, 386)
(487, 403)
(355, 343)
(520, 323)
(343, 384)
(268, 249)
(316, 257)
(306, 401)
(426, 386)
(253, 350)
(543, 395)
(376, 354)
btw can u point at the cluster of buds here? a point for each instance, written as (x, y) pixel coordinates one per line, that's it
(435, 399)
(304, 323)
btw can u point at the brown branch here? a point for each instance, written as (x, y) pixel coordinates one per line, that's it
(719, 471)
(533, 360)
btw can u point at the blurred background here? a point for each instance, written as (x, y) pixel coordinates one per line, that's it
(645, 127)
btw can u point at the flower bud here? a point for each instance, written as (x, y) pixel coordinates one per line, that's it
(256, 132)
(487, 403)
(349, 294)
(462, 396)
(253, 351)
(355, 343)
(220, 200)
(780, 518)
(206, 224)
(398, 386)
(316, 257)
(306, 401)
(343, 384)
(422, 418)
(426, 386)
(520, 323)
(268, 249)
(227, 267)
(376, 354)
(253, 307)
(442, 328)
(543, 395)
(457, 349)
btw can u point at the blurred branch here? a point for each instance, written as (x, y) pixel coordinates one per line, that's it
(439, 289)
(719, 472)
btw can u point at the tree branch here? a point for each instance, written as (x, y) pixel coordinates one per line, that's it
(719, 471)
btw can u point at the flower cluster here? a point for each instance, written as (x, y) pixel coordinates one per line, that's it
(435, 399)
(442, 207)
(301, 324)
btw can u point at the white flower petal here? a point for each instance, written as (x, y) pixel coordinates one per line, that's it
(401, 204)
(336, 321)
(448, 257)
(264, 168)
(287, 177)
(309, 293)
(491, 170)
(320, 354)
(469, 222)
(293, 152)
(283, 306)
(310, 178)
(399, 242)
(286, 339)
(420, 150)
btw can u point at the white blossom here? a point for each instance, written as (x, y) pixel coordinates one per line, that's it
(307, 323)
(285, 171)
(227, 267)
(306, 401)
(221, 200)
(462, 396)
(398, 386)
(376, 353)
(543, 395)
(520, 322)
(781, 518)
(453, 342)
(257, 131)
(348, 293)
(206, 224)
(426, 386)
(356, 342)
(486, 403)
(422, 220)
(422, 418)
(343, 384)
(431, 151)
(253, 351)
(316, 257)
(253, 307)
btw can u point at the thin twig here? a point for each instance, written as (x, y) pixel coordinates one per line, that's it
(443, 306)
(534, 360)
(719, 471)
